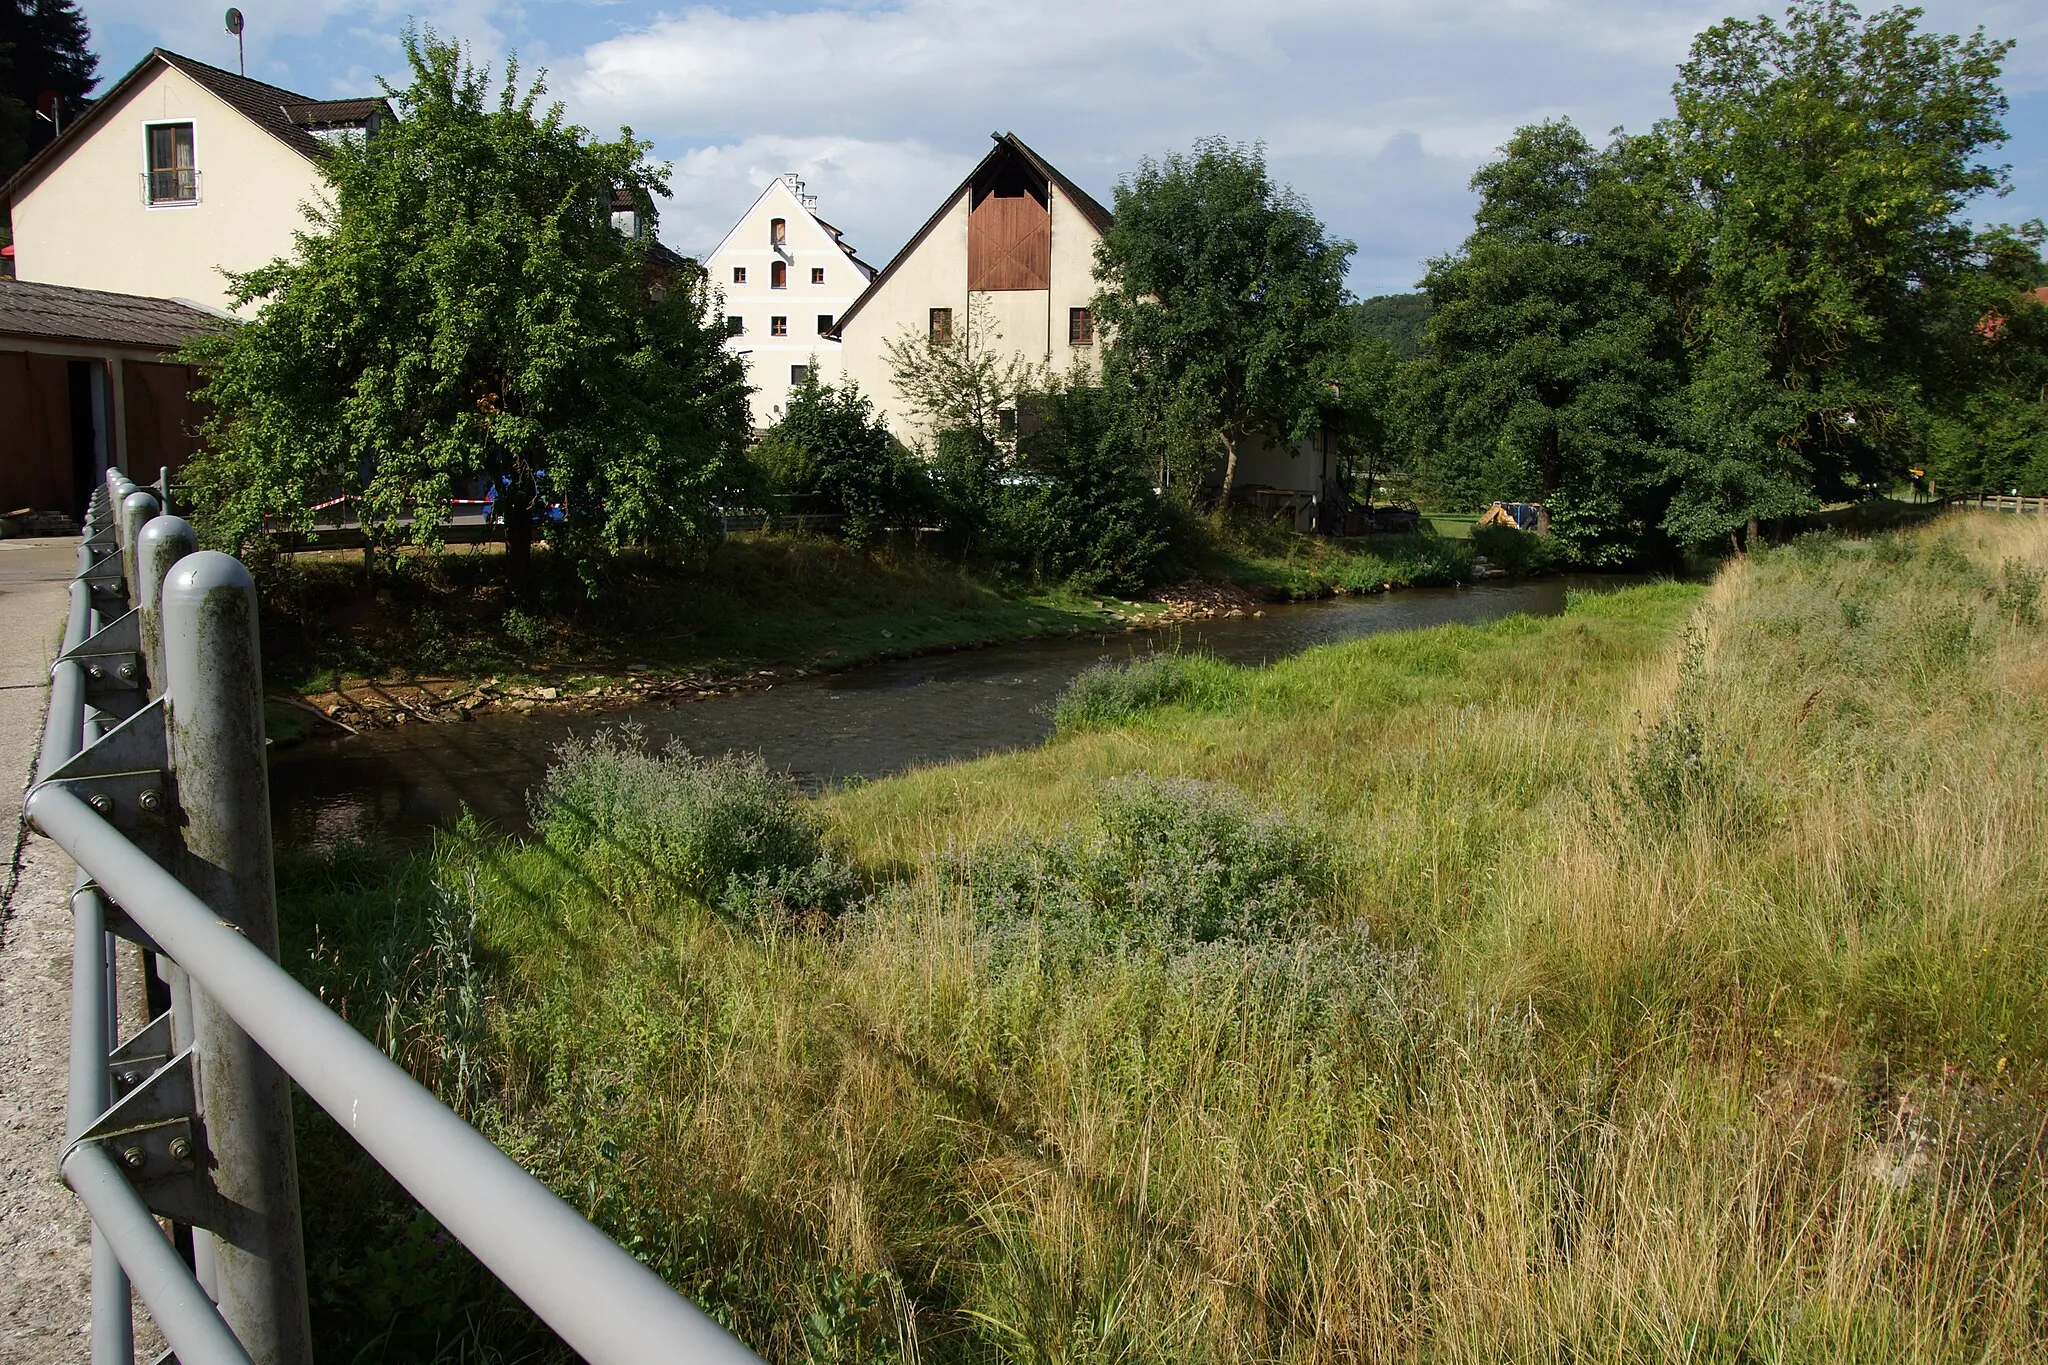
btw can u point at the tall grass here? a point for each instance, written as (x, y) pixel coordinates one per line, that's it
(1662, 981)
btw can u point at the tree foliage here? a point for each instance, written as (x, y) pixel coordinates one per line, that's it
(1555, 355)
(1220, 296)
(1831, 158)
(832, 452)
(44, 52)
(463, 315)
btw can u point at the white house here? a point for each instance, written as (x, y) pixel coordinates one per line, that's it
(180, 171)
(786, 275)
(1017, 240)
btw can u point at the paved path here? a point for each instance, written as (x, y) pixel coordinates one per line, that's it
(45, 1263)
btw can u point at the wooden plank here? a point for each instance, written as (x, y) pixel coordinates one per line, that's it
(1009, 244)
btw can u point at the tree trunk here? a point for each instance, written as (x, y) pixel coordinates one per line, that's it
(1229, 475)
(519, 535)
(1752, 535)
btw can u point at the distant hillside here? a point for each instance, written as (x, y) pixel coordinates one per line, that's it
(1396, 319)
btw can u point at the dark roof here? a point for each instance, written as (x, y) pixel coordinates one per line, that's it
(1006, 144)
(62, 313)
(337, 113)
(269, 107)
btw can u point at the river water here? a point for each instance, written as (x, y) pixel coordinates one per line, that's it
(867, 722)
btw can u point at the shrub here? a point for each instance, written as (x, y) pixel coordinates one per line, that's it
(1515, 550)
(832, 452)
(1111, 692)
(1167, 863)
(725, 830)
(2019, 592)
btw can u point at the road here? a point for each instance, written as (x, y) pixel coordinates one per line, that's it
(45, 1261)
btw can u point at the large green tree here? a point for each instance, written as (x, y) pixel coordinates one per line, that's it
(1832, 158)
(464, 314)
(1221, 297)
(45, 64)
(1554, 357)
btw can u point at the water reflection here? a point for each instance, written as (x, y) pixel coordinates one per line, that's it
(866, 723)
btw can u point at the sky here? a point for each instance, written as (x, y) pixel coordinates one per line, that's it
(1376, 111)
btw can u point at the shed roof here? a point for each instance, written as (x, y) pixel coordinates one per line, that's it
(59, 312)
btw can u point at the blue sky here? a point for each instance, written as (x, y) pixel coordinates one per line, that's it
(1377, 111)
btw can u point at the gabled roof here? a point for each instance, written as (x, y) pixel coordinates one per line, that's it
(61, 313)
(781, 182)
(286, 116)
(1006, 144)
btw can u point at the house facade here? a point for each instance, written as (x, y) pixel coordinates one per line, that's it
(1015, 243)
(180, 172)
(786, 275)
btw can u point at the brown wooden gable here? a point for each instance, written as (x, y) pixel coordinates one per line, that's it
(1009, 229)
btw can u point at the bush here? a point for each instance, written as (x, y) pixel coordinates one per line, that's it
(1111, 692)
(1515, 550)
(832, 452)
(1167, 863)
(725, 830)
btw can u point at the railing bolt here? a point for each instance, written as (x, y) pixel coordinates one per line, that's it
(150, 799)
(128, 672)
(129, 1078)
(181, 1149)
(95, 671)
(132, 1158)
(102, 803)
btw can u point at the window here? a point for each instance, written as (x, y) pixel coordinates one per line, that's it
(778, 232)
(1006, 421)
(173, 178)
(626, 222)
(824, 323)
(1080, 327)
(735, 325)
(778, 326)
(778, 276)
(739, 274)
(817, 274)
(942, 324)
(799, 373)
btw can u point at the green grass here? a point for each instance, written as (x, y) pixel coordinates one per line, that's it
(1657, 982)
(759, 601)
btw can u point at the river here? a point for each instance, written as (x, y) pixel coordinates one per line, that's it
(866, 722)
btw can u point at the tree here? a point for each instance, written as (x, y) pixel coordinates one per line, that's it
(1221, 294)
(1831, 158)
(465, 316)
(1081, 507)
(45, 64)
(1554, 356)
(832, 449)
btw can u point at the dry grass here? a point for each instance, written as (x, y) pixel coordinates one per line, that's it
(1680, 998)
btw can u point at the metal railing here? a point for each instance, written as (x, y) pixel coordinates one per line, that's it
(152, 778)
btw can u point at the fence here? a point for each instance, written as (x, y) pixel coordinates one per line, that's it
(151, 777)
(1996, 502)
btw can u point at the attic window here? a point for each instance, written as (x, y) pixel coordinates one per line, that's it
(778, 276)
(778, 231)
(817, 274)
(824, 323)
(739, 274)
(173, 177)
(735, 325)
(942, 324)
(778, 326)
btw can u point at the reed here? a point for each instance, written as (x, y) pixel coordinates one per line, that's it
(1661, 981)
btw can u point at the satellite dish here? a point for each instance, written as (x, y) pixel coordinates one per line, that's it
(235, 22)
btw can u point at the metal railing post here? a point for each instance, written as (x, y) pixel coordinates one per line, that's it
(213, 683)
(136, 510)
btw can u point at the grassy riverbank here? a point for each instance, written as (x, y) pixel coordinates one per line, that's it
(417, 643)
(1661, 981)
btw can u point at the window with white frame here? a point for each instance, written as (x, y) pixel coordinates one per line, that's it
(173, 176)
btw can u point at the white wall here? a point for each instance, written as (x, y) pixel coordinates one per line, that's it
(808, 246)
(1032, 322)
(87, 222)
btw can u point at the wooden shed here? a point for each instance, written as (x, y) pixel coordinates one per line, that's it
(86, 380)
